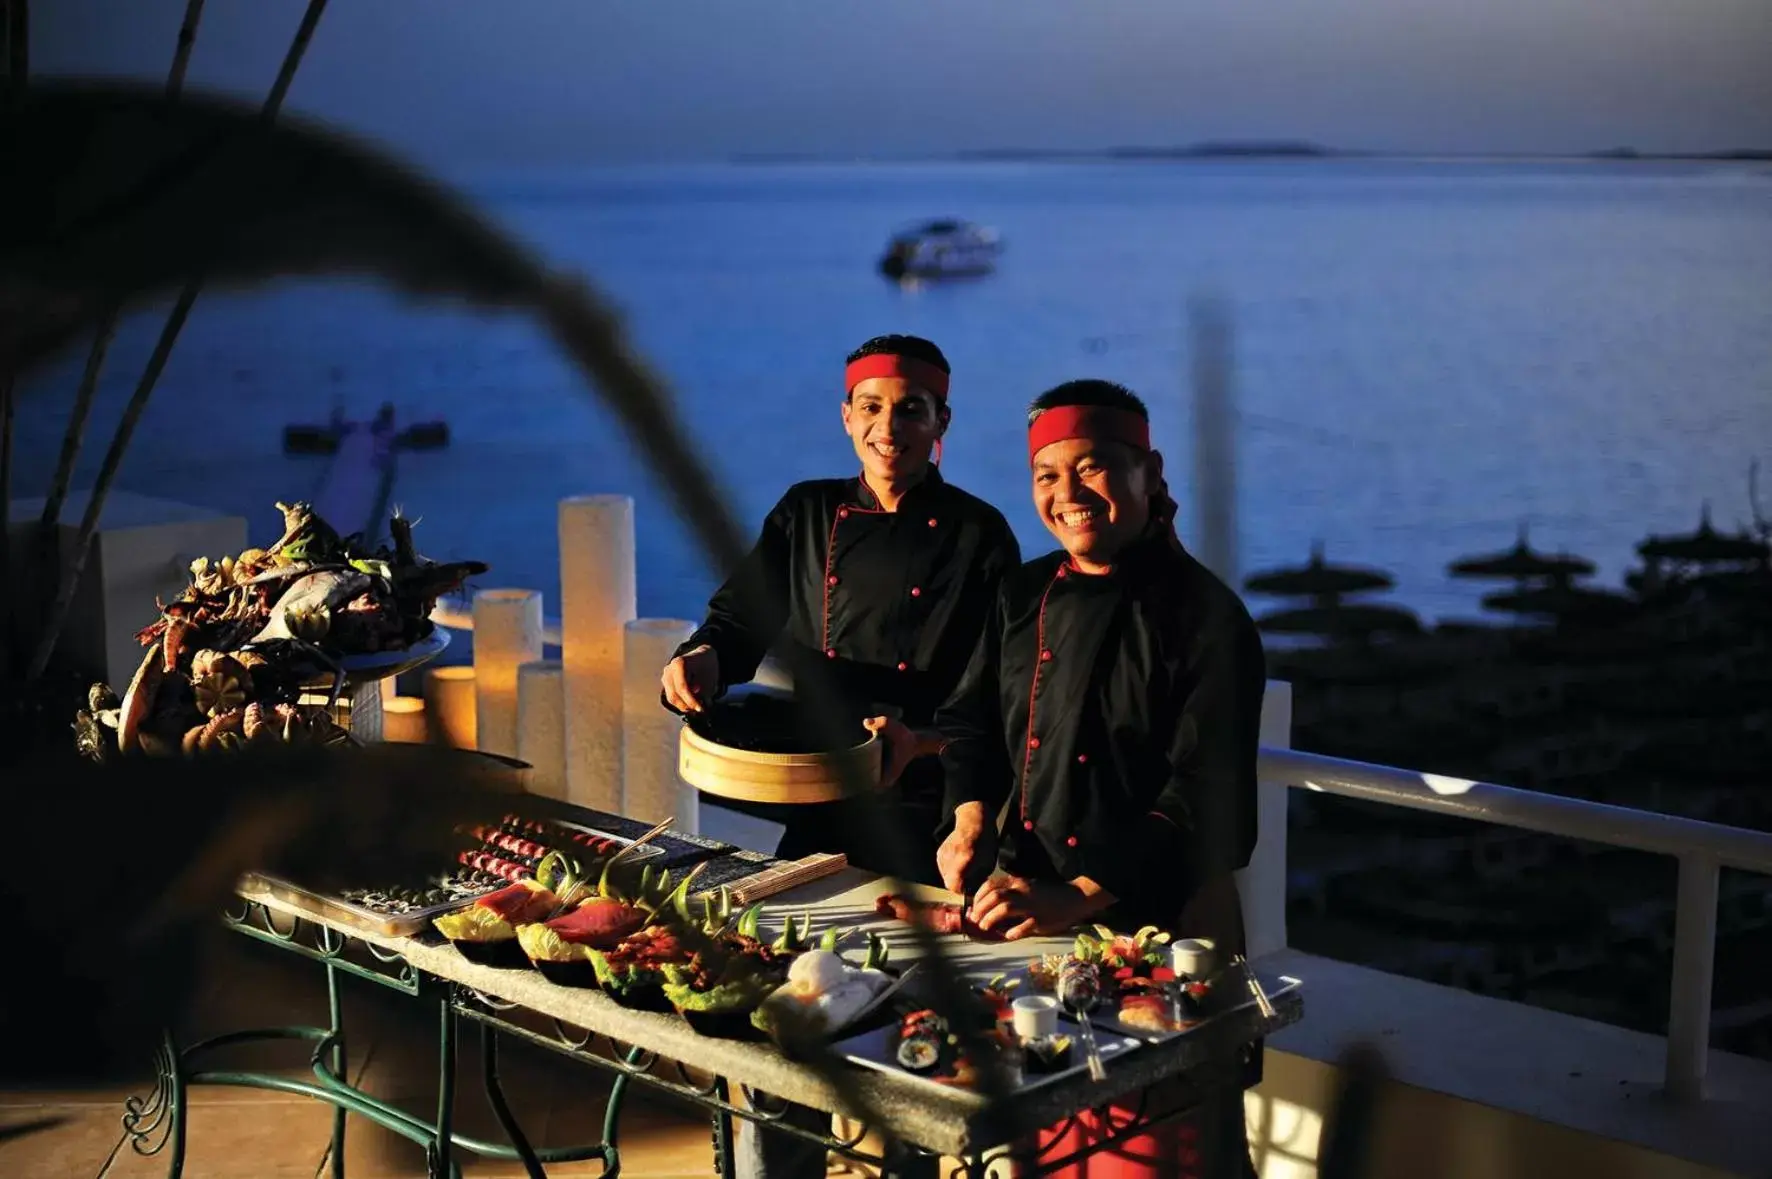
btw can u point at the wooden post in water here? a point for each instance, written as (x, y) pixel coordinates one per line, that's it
(15, 37)
(74, 564)
(1215, 441)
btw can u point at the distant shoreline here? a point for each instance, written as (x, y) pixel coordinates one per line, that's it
(1252, 151)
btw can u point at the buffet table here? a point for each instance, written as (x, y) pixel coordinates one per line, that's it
(917, 1119)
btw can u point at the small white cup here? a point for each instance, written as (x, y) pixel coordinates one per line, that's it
(1194, 957)
(1035, 1017)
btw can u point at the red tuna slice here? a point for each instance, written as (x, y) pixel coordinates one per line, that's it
(600, 923)
(519, 903)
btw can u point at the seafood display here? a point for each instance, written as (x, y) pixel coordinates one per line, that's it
(588, 909)
(229, 659)
(1137, 989)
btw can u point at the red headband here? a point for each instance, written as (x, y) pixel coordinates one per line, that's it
(884, 364)
(1097, 422)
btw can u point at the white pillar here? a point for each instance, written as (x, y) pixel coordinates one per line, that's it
(1215, 439)
(1262, 885)
(597, 600)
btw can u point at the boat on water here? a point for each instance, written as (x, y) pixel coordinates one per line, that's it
(944, 248)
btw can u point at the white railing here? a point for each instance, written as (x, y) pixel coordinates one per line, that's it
(1701, 850)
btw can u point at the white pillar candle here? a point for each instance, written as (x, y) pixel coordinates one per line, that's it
(650, 787)
(449, 703)
(403, 719)
(596, 602)
(507, 634)
(541, 725)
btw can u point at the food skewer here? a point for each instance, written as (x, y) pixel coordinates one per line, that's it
(494, 865)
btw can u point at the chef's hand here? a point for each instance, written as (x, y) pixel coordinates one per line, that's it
(968, 856)
(903, 746)
(691, 679)
(1018, 907)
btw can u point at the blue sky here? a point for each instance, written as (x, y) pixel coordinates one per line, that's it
(586, 81)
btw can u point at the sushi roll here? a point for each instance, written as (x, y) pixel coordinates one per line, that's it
(486, 931)
(921, 1037)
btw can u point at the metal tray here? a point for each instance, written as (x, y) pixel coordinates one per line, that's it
(336, 911)
(342, 912)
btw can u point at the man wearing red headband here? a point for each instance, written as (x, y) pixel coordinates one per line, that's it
(1111, 714)
(887, 576)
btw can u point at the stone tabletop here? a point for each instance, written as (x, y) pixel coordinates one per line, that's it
(952, 1121)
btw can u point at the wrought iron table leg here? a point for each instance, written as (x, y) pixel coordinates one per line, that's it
(495, 1097)
(165, 1106)
(618, 1089)
(441, 1161)
(723, 1161)
(335, 1009)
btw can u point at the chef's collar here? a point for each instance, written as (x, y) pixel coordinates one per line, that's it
(865, 497)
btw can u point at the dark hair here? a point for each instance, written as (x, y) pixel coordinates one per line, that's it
(1109, 395)
(915, 347)
(1088, 392)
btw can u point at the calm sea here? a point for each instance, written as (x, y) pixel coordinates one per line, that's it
(1427, 353)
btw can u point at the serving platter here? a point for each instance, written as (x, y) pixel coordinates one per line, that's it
(1273, 985)
(374, 666)
(875, 1049)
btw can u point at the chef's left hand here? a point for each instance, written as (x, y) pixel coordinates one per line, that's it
(902, 746)
(1020, 908)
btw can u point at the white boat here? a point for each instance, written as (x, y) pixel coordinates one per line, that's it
(941, 249)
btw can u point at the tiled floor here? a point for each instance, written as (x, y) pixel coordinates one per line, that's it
(253, 1134)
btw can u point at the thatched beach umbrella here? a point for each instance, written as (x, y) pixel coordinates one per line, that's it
(1706, 546)
(1318, 579)
(1563, 602)
(1521, 563)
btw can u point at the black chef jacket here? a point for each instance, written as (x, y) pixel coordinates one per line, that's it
(893, 602)
(1118, 716)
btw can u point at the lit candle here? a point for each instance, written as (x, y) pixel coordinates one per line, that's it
(403, 719)
(541, 725)
(449, 702)
(597, 597)
(507, 634)
(650, 787)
